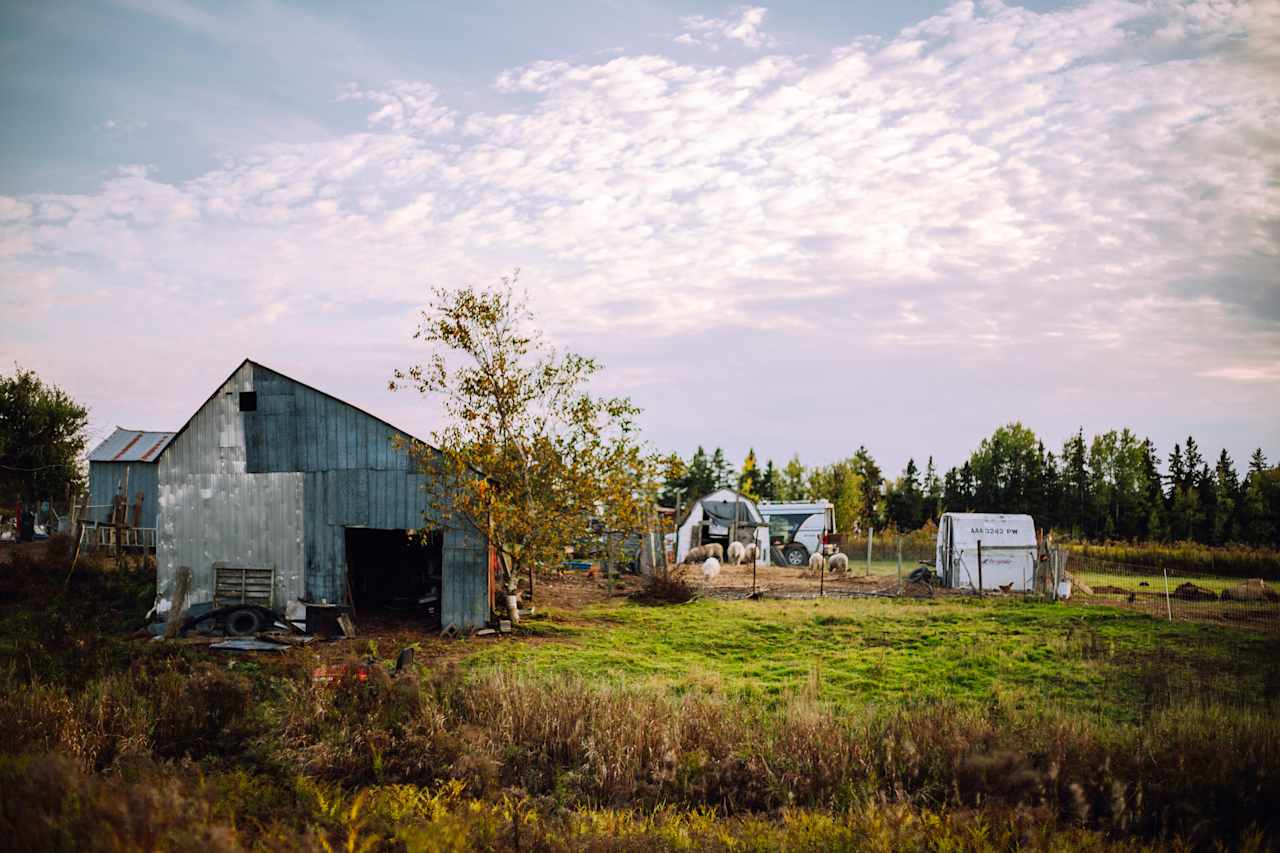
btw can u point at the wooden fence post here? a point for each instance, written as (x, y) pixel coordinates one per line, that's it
(871, 534)
(121, 514)
(178, 603)
(979, 567)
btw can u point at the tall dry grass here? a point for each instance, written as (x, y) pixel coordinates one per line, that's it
(1238, 561)
(1192, 770)
(1199, 773)
(169, 710)
(49, 804)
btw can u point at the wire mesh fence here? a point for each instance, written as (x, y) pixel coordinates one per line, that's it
(1177, 596)
(875, 565)
(902, 566)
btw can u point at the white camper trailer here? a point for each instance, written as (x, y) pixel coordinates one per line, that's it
(1008, 551)
(798, 529)
(712, 517)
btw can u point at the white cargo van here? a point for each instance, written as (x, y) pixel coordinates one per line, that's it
(1008, 550)
(798, 529)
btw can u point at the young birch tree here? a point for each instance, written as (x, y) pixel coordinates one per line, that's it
(527, 454)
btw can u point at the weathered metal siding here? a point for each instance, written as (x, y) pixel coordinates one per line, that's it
(244, 519)
(211, 508)
(106, 477)
(349, 474)
(213, 441)
(464, 587)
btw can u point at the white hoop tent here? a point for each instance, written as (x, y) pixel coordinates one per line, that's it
(711, 518)
(1008, 550)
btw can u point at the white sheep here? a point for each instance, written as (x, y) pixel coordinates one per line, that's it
(838, 563)
(710, 568)
(748, 556)
(735, 552)
(817, 563)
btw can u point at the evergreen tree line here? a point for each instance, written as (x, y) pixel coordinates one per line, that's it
(1108, 487)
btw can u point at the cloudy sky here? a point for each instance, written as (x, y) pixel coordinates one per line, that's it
(800, 228)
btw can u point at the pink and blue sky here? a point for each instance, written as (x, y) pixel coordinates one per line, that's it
(801, 228)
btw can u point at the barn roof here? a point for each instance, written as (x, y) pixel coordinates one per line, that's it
(250, 361)
(131, 445)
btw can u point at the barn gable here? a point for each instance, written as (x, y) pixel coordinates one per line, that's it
(273, 471)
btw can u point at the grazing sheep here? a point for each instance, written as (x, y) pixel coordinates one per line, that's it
(735, 552)
(817, 563)
(715, 549)
(710, 568)
(838, 563)
(697, 555)
(748, 556)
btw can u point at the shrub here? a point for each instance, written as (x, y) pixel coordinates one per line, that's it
(169, 712)
(365, 730)
(198, 713)
(669, 587)
(51, 804)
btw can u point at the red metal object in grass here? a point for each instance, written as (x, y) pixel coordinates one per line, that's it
(330, 673)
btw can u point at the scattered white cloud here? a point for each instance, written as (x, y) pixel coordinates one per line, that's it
(12, 209)
(404, 105)
(119, 127)
(1245, 373)
(995, 192)
(743, 26)
(273, 311)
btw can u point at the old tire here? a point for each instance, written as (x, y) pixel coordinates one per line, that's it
(797, 555)
(242, 623)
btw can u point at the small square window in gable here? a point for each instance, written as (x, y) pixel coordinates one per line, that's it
(248, 401)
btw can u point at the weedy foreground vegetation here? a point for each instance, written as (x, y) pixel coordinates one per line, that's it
(712, 725)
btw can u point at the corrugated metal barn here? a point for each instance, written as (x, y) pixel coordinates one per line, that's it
(272, 472)
(127, 455)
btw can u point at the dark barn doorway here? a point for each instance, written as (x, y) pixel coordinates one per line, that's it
(394, 572)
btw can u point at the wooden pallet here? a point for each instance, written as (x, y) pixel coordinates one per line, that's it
(243, 585)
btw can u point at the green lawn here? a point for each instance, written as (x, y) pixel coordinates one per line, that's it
(1097, 660)
(887, 568)
(1155, 582)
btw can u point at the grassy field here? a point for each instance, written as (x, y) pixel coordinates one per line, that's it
(1155, 582)
(718, 725)
(1096, 660)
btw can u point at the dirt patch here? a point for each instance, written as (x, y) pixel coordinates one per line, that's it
(575, 590)
(789, 579)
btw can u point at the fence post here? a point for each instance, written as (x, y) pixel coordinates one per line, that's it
(871, 534)
(178, 602)
(899, 558)
(1059, 571)
(1053, 568)
(979, 568)
(1168, 603)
